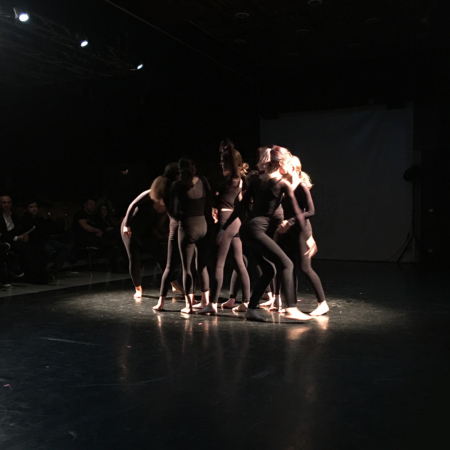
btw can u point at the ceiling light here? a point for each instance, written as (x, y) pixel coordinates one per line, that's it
(140, 66)
(84, 43)
(315, 2)
(242, 15)
(21, 15)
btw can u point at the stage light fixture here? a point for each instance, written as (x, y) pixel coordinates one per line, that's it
(84, 43)
(21, 15)
(140, 66)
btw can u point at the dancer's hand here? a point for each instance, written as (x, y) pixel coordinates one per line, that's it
(215, 215)
(127, 231)
(283, 227)
(312, 247)
(219, 237)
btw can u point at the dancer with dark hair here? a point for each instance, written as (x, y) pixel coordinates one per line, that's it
(298, 243)
(229, 191)
(173, 252)
(143, 228)
(190, 204)
(267, 191)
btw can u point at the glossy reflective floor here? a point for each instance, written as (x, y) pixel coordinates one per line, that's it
(96, 370)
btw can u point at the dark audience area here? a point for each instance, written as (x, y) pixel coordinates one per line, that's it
(40, 241)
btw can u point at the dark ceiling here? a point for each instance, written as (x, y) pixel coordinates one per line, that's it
(81, 110)
(245, 37)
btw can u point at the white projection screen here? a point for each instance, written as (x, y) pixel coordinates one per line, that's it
(356, 159)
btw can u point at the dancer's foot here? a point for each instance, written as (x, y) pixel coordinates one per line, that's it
(241, 308)
(276, 305)
(160, 305)
(211, 308)
(228, 304)
(270, 299)
(177, 288)
(138, 294)
(295, 314)
(321, 309)
(253, 316)
(187, 310)
(267, 304)
(199, 305)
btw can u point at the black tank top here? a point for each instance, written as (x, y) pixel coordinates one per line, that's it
(266, 196)
(228, 191)
(188, 202)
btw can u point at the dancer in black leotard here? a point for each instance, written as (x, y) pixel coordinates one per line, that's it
(142, 227)
(299, 243)
(267, 192)
(228, 192)
(190, 203)
(173, 252)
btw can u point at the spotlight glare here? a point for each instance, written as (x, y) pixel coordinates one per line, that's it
(83, 43)
(140, 66)
(23, 17)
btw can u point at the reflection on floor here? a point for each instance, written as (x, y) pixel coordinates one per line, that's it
(66, 280)
(94, 369)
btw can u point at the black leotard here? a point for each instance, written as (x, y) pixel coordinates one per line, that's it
(189, 205)
(227, 195)
(143, 219)
(294, 242)
(267, 195)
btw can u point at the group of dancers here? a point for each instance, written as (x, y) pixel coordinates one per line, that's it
(262, 217)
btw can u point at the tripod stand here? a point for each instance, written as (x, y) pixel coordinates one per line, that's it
(413, 240)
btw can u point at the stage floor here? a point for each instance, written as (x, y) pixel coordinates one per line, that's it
(89, 368)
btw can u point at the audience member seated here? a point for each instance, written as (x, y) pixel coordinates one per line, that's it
(43, 237)
(31, 258)
(103, 200)
(87, 234)
(104, 222)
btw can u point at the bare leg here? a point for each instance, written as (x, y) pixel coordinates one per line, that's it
(138, 294)
(160, 305)
(189, 302)
(228, 304)
(295, 314)
(321, 309)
